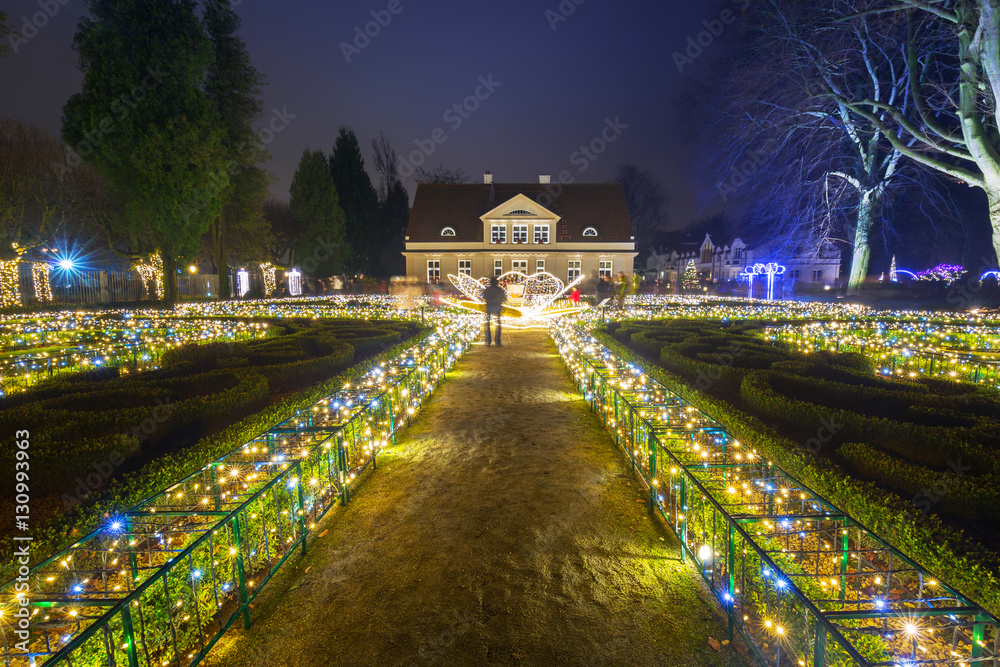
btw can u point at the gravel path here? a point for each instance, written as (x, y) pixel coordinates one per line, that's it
(503, 529)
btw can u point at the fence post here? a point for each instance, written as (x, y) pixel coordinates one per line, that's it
(651, 446)
(732, 579)
(844, 544)
(819, 650)
(241, 573)
(683, 526)
(133, 655)
(301, 508)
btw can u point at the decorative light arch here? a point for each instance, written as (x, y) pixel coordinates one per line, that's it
(995, 274)
(448, 231)
(590, 231)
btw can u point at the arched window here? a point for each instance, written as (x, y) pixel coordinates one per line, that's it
(448, 231)
(520, 211)
(590, 231)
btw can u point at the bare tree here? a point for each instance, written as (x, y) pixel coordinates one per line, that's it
(950, 123)
(828, 171)
(38, 196)
(386, 164)
(647, 203)
(440, 174)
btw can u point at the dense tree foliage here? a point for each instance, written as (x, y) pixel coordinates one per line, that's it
(144, 120)
(233, 86)
(358, 200)
(315, 206)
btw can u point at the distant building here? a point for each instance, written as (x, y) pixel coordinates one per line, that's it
(488, 229)
(724, 261)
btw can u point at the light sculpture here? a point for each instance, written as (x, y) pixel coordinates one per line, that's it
(771, 270)
(751, 272)
(532, 297)
(294, 282)
(242, 282)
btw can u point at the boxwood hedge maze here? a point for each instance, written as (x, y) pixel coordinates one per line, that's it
(831, 471)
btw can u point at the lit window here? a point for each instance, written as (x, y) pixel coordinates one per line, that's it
(520, 266)
(541, 233)
(448, 231)
(606, 268)
(498, 234)
(498, 267)
(465, 267)
(590, 231)
(519, 234)
(433, 270)
(574, 270)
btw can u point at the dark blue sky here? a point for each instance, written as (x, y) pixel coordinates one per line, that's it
(606, 60)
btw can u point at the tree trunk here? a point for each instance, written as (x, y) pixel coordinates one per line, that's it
(169, 277)
(867, 208)
(993, 196)
(222, 257)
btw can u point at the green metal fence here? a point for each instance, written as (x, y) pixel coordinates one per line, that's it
(160, 584)
(800, 581)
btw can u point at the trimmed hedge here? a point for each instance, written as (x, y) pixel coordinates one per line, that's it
(201, 388)
(126, 490)
(844, 474)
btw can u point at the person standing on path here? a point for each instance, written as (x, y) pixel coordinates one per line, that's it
(494, 296)
(621, 289)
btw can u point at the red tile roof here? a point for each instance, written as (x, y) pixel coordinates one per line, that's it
(460, 206)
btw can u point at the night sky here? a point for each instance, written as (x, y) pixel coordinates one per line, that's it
(557, 87)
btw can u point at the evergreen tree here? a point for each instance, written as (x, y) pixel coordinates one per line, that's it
(358, 200)
(233, 86)
(315, 206)
(690, 279)
(142, 118)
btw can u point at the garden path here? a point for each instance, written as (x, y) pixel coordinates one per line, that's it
(502, 529)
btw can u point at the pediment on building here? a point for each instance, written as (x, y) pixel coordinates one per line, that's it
(520, 208)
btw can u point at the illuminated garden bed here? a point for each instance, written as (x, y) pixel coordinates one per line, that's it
(160, 583)
(800, 580)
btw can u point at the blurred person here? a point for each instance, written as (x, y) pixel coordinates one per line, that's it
(494, 296)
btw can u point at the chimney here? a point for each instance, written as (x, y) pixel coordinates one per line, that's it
(488, 178)
(544, 179)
